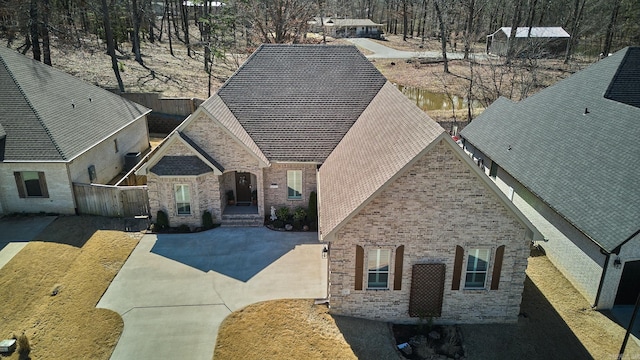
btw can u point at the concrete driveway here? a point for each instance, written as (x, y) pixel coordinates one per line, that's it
(384, 52)
(17, 231)
(175, 290)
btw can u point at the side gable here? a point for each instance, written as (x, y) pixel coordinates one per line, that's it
(213, 113)
(166, 161)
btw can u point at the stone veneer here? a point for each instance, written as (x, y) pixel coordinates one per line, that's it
(277, 174)
(435, 205)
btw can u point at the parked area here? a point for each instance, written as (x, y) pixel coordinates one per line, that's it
(172, 301)
(176, 289)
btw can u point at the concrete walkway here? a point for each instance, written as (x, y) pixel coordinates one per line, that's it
(174, 291)
(17, 231)
(384, 52)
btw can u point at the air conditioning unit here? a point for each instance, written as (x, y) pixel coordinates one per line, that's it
(130, 160)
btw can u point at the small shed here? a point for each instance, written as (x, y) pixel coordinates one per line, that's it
(541, 41)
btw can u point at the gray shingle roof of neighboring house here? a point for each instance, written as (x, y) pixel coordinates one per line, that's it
(50, 115)
(180, 165)
(583, 164)
(353, 22)
(389, 134)
(297, 101)
(536, 32)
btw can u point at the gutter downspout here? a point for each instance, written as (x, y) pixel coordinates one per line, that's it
(604, 273)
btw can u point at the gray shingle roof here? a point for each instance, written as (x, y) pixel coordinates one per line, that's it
(536, 32)
(297, 101)
(180, 166)
(585, 166)
(51, 115)
(391, 132)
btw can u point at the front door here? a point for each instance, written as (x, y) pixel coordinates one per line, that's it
(243, 188)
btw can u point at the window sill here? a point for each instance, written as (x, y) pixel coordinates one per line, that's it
(184, 214)
(377, 289)
(296, 199)
(474, 289)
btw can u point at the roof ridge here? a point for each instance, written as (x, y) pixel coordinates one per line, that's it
(35, 112)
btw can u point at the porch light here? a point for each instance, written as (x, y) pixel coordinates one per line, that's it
(325, 251)
(617, 263)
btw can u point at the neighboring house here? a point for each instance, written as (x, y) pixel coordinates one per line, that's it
(413, 226)
(55, 130)
(539, 41)
(350, 27)
(567, 159)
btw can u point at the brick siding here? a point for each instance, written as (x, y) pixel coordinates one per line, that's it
(435, 205)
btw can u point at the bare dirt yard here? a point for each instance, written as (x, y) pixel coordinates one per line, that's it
(556, 322)
(50, 289)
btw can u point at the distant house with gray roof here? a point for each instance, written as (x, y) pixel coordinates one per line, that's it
(568, 160)
(56, 130)
(342, 28)
(393, 188)
(536, 41)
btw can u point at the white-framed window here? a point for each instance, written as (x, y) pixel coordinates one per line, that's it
(183, 200)
(294, 184)
(477, 267)
(31, 184)
(378, 262)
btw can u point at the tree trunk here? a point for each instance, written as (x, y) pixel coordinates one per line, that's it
(405, 26)
(167, 11)
(135, 16)
(443, 35)
(111, 48)
(185, 21)
(511, 42)
(611, 29)
(577, 16)
(34, 30)
(469, 27)
(44, 30)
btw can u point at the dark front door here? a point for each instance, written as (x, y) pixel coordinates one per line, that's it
(629, 287)
(243, 188)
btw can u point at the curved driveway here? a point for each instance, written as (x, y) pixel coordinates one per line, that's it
(175, 290)
(384, 52)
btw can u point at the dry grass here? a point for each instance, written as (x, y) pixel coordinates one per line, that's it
(282, 329)
(67, 325)
(598, 334)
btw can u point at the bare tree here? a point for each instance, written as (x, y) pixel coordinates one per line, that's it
(606, 49)
(111, 48)
(443, 33)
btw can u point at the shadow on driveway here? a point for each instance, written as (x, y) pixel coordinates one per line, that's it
(233, 252)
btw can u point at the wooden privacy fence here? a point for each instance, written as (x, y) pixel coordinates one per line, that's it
(174, 106)
(113, 201)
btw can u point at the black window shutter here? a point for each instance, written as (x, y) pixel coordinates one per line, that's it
(20, 184)
(397, 273)
(359, 266)
(497, 268)
(457, 268)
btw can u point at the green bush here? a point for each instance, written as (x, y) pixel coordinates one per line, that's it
(230, 195)
(312, 211)
(184, 228)
(299, 214)
(207, 220)
(278, 224)
(282, 213)
(162, 221)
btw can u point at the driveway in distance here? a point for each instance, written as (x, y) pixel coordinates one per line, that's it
(175, 290)
(384, 52)
(17, 231)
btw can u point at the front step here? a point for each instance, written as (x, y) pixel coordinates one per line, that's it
(242, 220)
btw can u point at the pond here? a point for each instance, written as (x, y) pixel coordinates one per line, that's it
(427, 100)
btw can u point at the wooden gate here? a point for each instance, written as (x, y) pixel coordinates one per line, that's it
(113, 201)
